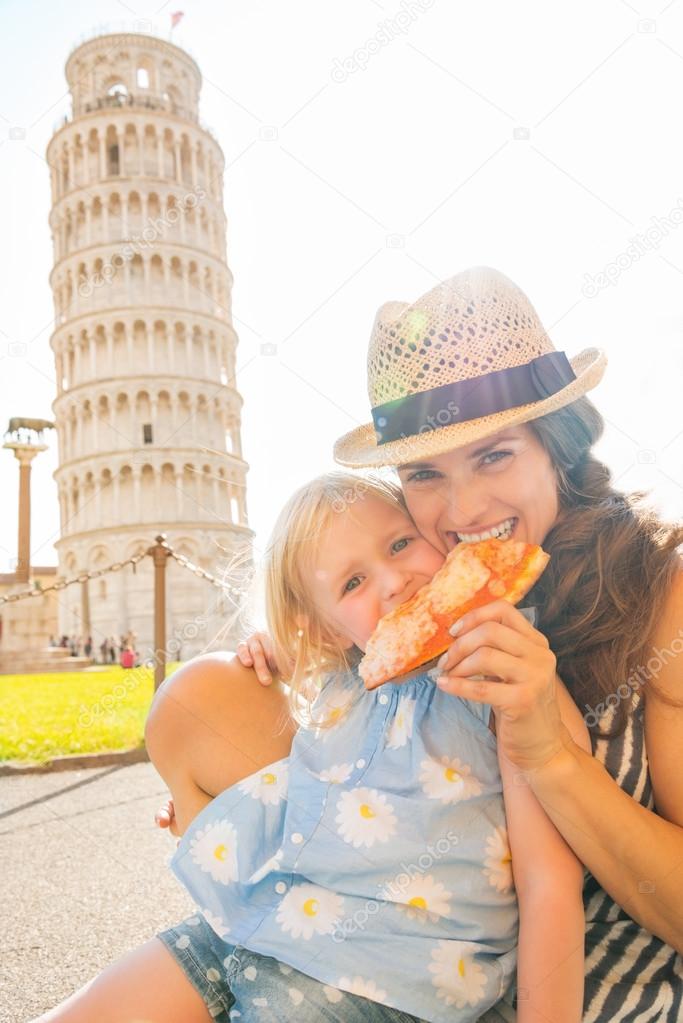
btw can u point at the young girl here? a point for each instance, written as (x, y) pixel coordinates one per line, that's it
(369, 873)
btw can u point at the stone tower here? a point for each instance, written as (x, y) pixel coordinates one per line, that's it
(147, 411)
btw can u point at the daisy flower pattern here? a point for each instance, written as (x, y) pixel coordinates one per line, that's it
(360, 986)
(402, 726)
(334, 708)
(214, 850)
(423, 899)
(337, 774)
(459, 980)
(498, 862)
(331, 708)
(308, 909)
(268, 786)
(374, 859)
(364, 817)
(448, 780)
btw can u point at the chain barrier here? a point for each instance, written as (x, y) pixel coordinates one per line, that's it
(117, 566)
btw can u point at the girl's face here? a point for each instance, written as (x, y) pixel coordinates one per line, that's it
(484, 484)
(370, 559)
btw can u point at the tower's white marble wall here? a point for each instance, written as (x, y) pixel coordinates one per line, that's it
(147, 410)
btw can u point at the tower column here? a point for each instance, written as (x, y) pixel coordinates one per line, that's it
(136, 493)
(110, 351)
(95, 422)
(151, 361)
(70, 165)
(193, 157)
(116, 484)
(102, 154)
(178, 478)
(176, 149)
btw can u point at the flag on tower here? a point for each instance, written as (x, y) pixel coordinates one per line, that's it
(175, 18)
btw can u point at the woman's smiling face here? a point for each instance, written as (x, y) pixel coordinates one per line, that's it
(479, 486)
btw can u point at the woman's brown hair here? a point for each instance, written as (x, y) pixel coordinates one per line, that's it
(612, 565)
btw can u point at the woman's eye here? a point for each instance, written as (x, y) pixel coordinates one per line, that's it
(401, 544)
(492, 453)
(421, 475)
(348, 588)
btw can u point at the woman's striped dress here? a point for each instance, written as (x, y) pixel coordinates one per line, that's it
(630, 974)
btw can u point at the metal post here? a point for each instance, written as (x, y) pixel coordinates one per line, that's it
(85, 611)
(159, 555)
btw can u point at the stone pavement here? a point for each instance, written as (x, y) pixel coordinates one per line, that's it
(84, 877)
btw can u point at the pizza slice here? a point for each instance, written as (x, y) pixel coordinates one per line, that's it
(472, 575)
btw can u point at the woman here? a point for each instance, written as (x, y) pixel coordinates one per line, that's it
(470, 366)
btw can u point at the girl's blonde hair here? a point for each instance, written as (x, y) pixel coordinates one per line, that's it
(305, 646)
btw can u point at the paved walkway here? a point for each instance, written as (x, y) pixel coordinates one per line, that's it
(85, 877)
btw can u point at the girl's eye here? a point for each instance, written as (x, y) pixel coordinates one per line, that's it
(492, 453)
(347, 587)
(405, 540)
(421, 476)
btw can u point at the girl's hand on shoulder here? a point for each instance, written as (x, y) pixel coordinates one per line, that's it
(497, 641)
(257, 652)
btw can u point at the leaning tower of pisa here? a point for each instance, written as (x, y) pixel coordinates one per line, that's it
(147, 410)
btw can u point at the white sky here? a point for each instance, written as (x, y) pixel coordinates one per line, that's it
(420, 143)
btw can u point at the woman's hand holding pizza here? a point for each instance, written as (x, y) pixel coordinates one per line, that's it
(496, 640)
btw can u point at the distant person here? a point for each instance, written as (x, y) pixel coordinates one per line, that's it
(128, 657)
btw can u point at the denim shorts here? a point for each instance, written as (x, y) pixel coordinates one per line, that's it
(238, 984)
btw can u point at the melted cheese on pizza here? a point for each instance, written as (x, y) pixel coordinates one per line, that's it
(458, 579)
(398, 639)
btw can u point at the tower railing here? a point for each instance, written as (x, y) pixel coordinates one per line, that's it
(134, 101)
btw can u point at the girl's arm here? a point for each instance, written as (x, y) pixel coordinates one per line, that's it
(549, 881)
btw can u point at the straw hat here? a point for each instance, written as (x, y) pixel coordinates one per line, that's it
(463, 361)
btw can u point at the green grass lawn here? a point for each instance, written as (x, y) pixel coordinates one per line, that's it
(48, 715)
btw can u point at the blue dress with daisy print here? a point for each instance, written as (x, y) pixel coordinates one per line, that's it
(374, 858)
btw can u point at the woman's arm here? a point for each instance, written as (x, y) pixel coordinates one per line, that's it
(549, 881)
(210, 725)
(636, 855)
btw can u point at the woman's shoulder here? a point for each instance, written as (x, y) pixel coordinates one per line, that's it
(208, 686)
(669, 631)
(664, 707)
(205, 677)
